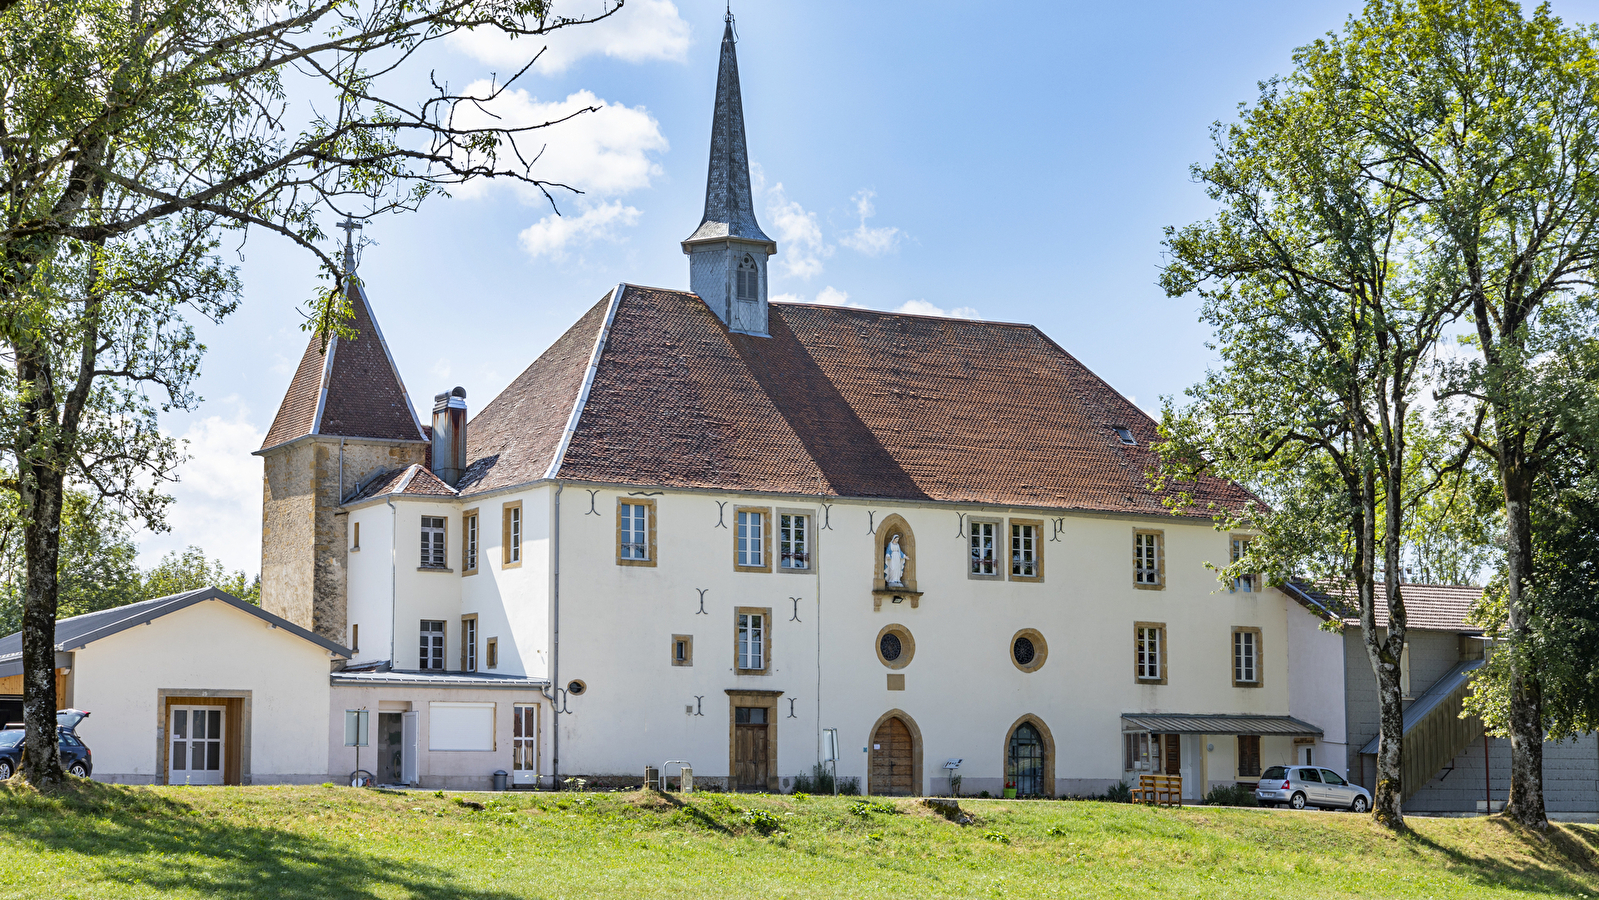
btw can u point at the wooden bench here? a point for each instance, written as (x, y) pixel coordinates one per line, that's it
(1159, 790)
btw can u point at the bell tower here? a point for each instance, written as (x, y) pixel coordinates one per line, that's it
(728, 253)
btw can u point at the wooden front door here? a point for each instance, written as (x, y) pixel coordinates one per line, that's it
(751, 751)
(891, 759)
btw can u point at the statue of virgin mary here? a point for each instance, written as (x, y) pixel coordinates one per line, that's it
(894, 564)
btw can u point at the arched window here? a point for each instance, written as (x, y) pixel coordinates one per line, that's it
(749, 279)
(1025, 766)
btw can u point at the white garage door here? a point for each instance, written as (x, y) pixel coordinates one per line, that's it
(460, 726)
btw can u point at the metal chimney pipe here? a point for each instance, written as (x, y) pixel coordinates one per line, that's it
(449, 436)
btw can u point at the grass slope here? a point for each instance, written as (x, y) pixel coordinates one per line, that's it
(327, 843)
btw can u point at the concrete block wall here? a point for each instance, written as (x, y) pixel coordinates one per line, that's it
(1570, 770)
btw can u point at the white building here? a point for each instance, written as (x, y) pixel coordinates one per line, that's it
(666, 540)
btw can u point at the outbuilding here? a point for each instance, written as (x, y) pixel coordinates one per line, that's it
(195, 688)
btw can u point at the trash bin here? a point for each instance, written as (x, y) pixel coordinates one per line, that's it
(500, 779)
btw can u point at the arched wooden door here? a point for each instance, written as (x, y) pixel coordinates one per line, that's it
(892, 759)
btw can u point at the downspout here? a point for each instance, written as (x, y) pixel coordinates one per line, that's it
(555, 642)
(394, 591)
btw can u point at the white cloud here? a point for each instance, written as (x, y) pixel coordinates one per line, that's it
(217, 499)
(553, 234)
(799, 237)
(440, 370)
(644, 30)
(870, 241)
(923, 308)
(604, 153)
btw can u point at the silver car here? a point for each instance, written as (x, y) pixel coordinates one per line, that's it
(1302, 786)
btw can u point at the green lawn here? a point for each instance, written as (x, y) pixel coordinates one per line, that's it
(332, 843)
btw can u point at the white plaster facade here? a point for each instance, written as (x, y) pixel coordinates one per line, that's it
(208, 649)
(960, 688)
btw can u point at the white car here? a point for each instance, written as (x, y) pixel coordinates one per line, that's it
(1300, 786)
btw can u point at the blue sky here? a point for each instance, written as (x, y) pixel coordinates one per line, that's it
(1017, 163)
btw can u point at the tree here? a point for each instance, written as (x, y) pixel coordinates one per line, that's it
(192, 570)
(131, 134)
(1494, 117)
(98, 563)
(1320, 280)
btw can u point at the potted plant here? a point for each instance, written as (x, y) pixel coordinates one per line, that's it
(1010, 790)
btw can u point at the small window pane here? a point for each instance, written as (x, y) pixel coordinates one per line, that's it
(983, 560)
(180, 723)
(1024, 551)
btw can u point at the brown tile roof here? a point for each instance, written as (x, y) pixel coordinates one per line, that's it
(411, 481)
(1432, 607)
(365, 396)
(514, 438)
(837, 402)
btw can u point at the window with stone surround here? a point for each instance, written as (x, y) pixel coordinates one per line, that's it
(635, 532)
(1147, 563)
(752, 543)
(1026, 553)
(794, 541)
(1149, 652)
(431, 651)
(1246, 657)
(511, 535)
(470, 538)
(987, 554)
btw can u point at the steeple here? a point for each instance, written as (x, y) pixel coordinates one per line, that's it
(728, 253)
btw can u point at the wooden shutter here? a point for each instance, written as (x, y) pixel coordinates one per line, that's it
(1174, 754)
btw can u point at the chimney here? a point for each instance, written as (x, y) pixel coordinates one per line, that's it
(449, 436)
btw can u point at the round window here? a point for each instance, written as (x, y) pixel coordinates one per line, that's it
(1028, 650)
(576, 687)
(1023, 651)
(890, 646)
(895, 646)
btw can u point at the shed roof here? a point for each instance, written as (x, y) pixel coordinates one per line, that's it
(1429, 607)
(78, 632)
(1218, 723)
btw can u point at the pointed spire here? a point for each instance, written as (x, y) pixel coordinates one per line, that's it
(350, 226)
(729, 202)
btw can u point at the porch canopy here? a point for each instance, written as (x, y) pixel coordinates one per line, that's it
(1183, 723)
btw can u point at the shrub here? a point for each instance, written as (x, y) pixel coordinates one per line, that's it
(762, 820)
(1231, 795)
(1120, 792)
(820, 781)
(849, 786)
(999, 837)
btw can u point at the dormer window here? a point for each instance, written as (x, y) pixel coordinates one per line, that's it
(1126, 435)
(749, 279)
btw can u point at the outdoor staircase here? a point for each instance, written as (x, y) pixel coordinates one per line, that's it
(1434, 731)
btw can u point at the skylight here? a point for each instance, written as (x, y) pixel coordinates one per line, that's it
(1126, 434)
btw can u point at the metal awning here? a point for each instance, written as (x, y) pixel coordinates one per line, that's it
(1180, 723)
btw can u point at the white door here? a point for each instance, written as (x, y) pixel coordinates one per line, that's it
(408, 733)
(195, 756)
(525, 744)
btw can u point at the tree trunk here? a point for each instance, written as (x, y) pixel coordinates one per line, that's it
(1388, 804)
(1526, 804)
(41, 535)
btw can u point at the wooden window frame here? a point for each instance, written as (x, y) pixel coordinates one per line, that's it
(1038, 550)
(766, 639)
(907, 646)
(506, 547)
(688, 659)
(1001, 538)
(766, 538)
(491, 652)
(443, 530)
(1255, 586)
(1260, 679)
(471, 556)
(649, 531)
(469, 642)
(355, 546)
(444, 657)
(810, 541)
(1040, 650)
(1164, 650)
(1159, 584)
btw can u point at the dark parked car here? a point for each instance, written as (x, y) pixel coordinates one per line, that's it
(76, 757)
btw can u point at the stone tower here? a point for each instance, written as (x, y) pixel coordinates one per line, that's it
(728, 253)
(346, 417)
